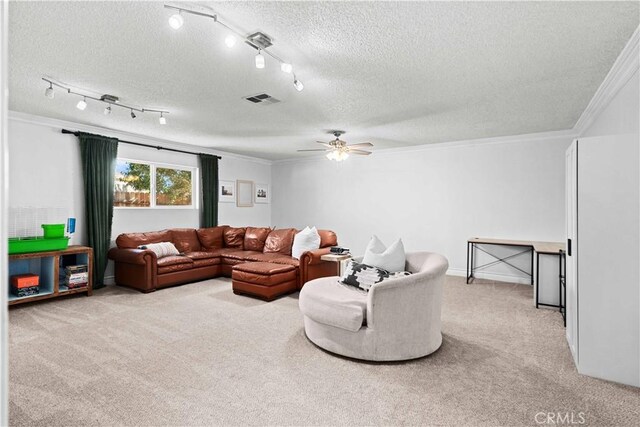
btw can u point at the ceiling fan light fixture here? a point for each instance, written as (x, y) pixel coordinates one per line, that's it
(341, 155)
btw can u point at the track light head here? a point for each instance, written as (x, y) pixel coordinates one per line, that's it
(298, 84)
(176, 21)
(162, 120)
(286, 67)
(107, 110)
(49, 93)
(230, 41)
(259, 60)
(133, 115)
(82, 104)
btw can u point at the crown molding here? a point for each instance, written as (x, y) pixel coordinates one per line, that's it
(57, 123)
(567, 134)
(622, 70)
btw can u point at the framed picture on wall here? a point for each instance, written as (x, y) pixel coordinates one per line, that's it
(227, 192)
(262, 193)
(244, 197)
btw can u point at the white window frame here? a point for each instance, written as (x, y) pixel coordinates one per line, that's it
(195, 194)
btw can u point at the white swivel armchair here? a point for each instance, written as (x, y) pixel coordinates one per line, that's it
(398, 319)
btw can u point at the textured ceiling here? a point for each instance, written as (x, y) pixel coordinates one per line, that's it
(395, 74)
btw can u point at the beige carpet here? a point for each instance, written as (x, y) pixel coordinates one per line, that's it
(200, 355)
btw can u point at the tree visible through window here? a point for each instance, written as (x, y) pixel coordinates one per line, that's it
(173, 187)
(134, 185)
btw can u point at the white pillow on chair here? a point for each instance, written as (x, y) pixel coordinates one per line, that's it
(306, 240)
(390, 258)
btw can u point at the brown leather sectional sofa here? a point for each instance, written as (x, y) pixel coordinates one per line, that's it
(268, 270)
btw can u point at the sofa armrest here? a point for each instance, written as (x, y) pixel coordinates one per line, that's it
(312, 267)
(132, 256)
(136, 268)
(313, 257)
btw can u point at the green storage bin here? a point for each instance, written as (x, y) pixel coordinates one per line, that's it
(53, 231)
(27, 245)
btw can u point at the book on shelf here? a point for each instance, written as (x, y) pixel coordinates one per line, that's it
(75, 276)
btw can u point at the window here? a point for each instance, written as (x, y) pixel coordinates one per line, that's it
(149, 185)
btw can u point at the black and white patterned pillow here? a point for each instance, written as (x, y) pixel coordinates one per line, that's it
(364, 276)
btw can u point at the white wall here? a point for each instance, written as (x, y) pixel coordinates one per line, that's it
(45, 172)
(433, 197)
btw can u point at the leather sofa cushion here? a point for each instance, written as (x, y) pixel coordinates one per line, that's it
(274, 258)
(133, 240)
(329, 302)
(240, 255)
(234, 237)
(254, 238)
(280, 241)
(327, 238)
(173, 260)
(206, 262)
(212, 237)
(201, 255)
(174, 263)
(185, 239)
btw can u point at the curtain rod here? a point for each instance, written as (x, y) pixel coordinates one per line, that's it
(139, 144)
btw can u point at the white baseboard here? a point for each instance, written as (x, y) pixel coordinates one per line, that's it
(522, 280)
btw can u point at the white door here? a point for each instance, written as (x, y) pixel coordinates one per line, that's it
(571, 209)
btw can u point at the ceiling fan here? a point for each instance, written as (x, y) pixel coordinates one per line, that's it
(338, 149)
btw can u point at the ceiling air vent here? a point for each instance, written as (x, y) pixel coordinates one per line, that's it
(261, 98)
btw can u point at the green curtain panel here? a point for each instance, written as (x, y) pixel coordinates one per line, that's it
(99, 154)
(209, 169)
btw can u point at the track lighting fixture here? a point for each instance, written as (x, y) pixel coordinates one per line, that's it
(230, 41)
(82, 104)
(176, 21)
(258, 40)
(109, 100)
(49, 93)
(259, 60)
(286, 67)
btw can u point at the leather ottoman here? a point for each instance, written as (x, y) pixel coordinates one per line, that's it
(263, 280)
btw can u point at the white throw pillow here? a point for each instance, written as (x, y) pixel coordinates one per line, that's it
(306, 240)
(161, 249)
(378, 255)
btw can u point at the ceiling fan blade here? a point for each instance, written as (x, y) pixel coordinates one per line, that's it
(324, 143)
(315, 149)
(361, 145)
(360, 152)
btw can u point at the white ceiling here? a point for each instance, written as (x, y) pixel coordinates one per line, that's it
(395, 74)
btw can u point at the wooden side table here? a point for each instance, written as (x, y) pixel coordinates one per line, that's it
(339, 258)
